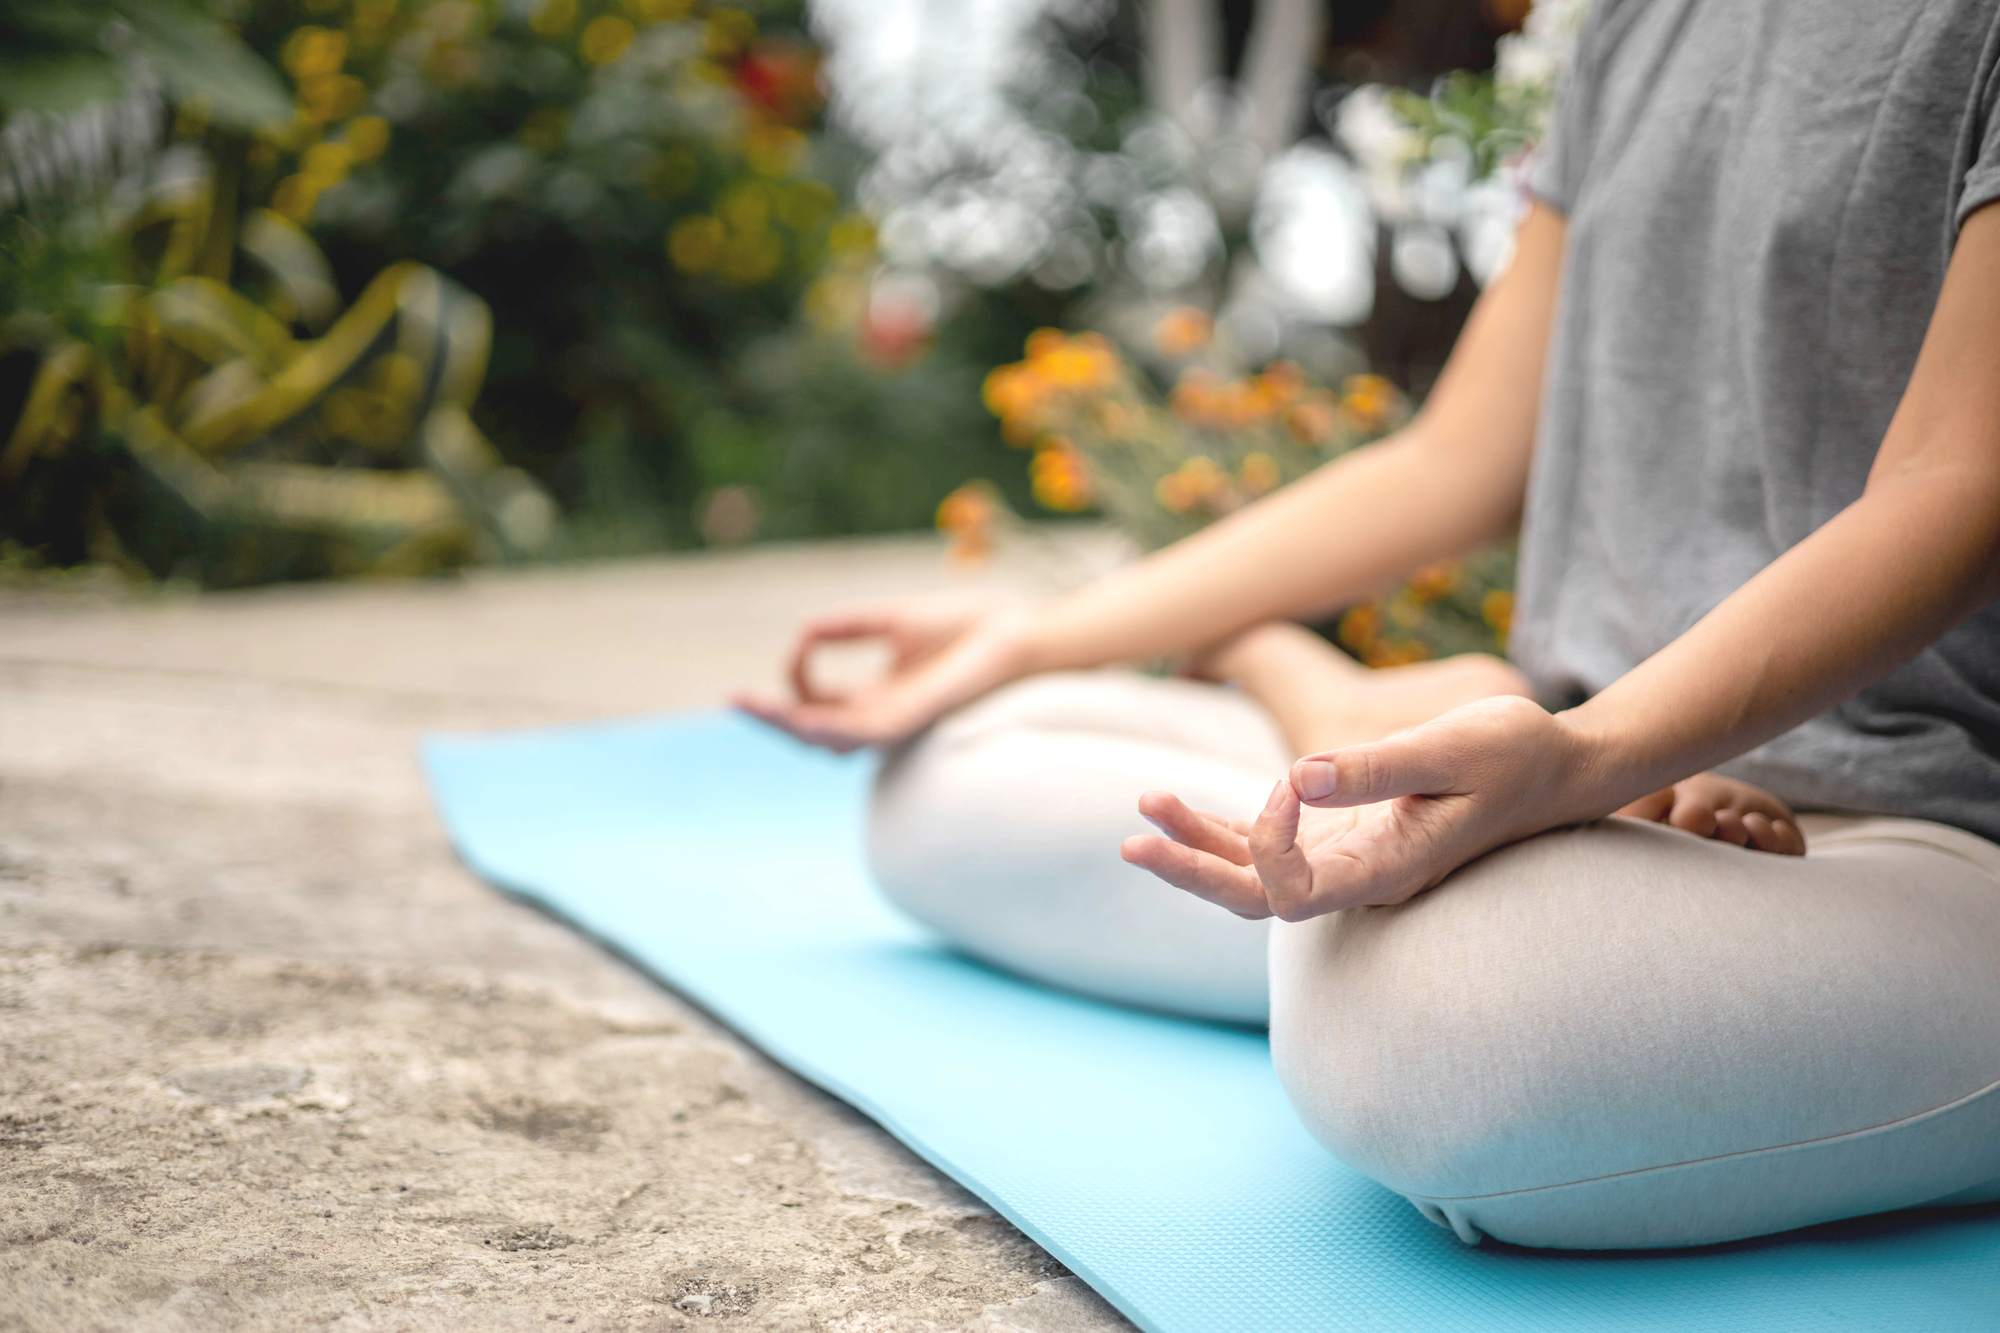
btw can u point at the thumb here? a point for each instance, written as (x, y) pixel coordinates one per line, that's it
(1411, 764)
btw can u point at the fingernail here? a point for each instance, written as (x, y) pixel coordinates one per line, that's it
(1313, 778)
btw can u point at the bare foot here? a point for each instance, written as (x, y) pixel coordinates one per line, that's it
(1324, 699)
(1709, 805)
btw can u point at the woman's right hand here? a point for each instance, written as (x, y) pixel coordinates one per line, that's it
(943, 651)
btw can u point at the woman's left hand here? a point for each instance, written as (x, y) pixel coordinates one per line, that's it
(1379, 823)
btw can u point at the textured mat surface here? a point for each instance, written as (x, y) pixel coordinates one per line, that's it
(1155, 1157)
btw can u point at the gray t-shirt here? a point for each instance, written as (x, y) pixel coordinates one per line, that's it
(1762, 198)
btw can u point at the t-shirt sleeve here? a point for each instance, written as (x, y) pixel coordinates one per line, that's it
(1981, 185)
(1555, 171)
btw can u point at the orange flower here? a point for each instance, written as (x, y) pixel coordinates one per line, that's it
(1357, 628)
(1281, 382)
(1259, 473)
(1044, 341)
(967, 515)
(1060, 476)
(1115, 420)
(1497, 609)
(1204, 400)
(1313, 420)
(1018, 395)
(1435, 581)
(1083, 362)
(1182, 332)
(1196, 482)
(1368, 402)
(1395, 653)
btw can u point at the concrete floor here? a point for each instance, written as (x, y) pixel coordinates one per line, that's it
(270, 1058)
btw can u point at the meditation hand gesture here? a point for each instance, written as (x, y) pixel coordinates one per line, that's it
(1379, 823)
(943, 652)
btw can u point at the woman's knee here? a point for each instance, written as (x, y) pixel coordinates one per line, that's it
(1004, 839)
(1622, 1035)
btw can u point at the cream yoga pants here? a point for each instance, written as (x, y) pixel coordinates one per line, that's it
(1611, 1036)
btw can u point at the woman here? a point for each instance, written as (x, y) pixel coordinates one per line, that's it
(1741, 389)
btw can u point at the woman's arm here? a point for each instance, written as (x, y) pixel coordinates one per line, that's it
(1917, 552)
(1455, 476)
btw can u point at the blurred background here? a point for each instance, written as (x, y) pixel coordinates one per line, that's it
(299, 289)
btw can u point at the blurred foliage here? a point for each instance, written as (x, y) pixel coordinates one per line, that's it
(643, 192)
(168, 409)
(1101, 435)
(640, 192)
(1470, 109)
(64, 55)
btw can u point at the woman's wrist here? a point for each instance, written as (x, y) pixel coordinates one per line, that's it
(1600, 775)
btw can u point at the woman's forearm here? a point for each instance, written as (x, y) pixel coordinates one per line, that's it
(1919, 551)
(1840, 610)
(1453, 478)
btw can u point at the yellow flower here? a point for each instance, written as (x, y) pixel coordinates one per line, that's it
(658, 11)
(605, 38)
(851, 235)
(746, 206)
(1497, 609)
(806, 204)
(328, 97)
(773, 150)
(695, 243)
(367, 137)
(554, 18)
(371, 21)
(751, 257)
(545, 129)
(1060, 477)
(313, 53)
(729, 31)
(835, 302)
(325, 164)
(294, 198)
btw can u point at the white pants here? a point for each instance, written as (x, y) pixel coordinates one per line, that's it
(1605, 1037)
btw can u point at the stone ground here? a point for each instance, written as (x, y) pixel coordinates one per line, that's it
(271, 1058)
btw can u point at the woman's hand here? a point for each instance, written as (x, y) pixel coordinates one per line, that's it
(1709, 805)
(944, 651)
(1379, 823)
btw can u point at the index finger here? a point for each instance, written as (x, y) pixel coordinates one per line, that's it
(1200, 873)
(862, 622)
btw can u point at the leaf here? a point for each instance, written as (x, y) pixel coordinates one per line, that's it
(199, 58)
(66, 81)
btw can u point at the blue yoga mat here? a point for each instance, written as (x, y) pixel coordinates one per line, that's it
(1156, 1157)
